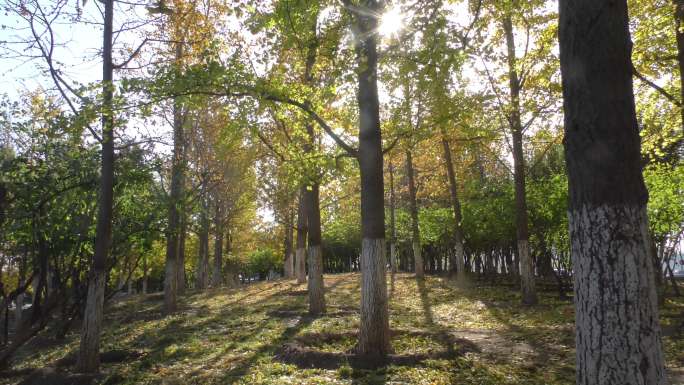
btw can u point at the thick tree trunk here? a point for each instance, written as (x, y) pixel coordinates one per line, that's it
(617, 329)
(415, 228)
(459, 251)
(529, 293)
(316, 286)
(300, 263)
(393, 221)
(374, 328)
(89, 353)
(175, 204)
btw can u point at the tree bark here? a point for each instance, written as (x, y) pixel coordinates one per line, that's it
(216, 278)
(144, 278)
(374, 328)
(679, 34)
(300, 263)
(175, 203)
(393, 221)
(459, 250)
(89, 353)
(203, 257)
(415, 228)
(529, 293)
(287, 249)
(181, 254)
(316, 286)
(617, 328)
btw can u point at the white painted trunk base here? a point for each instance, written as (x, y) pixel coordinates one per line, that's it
(374, 336)
(89, 353)
(617, 328)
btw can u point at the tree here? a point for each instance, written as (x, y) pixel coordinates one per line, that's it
(374, 328)
(617, 328)
(529, 293)
(89, 353)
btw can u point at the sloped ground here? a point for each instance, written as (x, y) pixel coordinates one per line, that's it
(261, 334)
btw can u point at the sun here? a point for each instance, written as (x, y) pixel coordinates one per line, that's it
(391, 22)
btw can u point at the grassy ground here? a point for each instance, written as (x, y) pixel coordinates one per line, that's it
(260, 334)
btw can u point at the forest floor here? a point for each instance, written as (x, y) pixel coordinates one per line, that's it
(261, 334)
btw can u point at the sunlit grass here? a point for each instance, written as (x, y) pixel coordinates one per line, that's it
(233, 336)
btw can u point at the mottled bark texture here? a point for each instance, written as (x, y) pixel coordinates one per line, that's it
(374, 337)
(529, 293)
(374, 327)
(617, 330)
(415, 226)
(88, 360)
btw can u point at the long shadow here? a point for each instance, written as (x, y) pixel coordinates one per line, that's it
(503, 311)
(243, 367)
(425, 302)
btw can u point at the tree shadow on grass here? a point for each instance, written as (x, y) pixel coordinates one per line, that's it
(529, 343)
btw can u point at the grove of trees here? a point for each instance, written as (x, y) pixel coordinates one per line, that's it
(536, 145)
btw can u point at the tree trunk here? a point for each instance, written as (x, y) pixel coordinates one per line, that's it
(181, 255)
(679, 34)
(300, 265)
(415, 229)
(289, 255)
(529, 293)
(374, 328)
(617, 328)
(89, 353)
(216, 279)
(144, 278)
(393, 224)
(203, 257)
(316, 286)
(175, 204)
(459, 250)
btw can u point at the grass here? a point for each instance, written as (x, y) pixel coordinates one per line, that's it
(237, 336)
